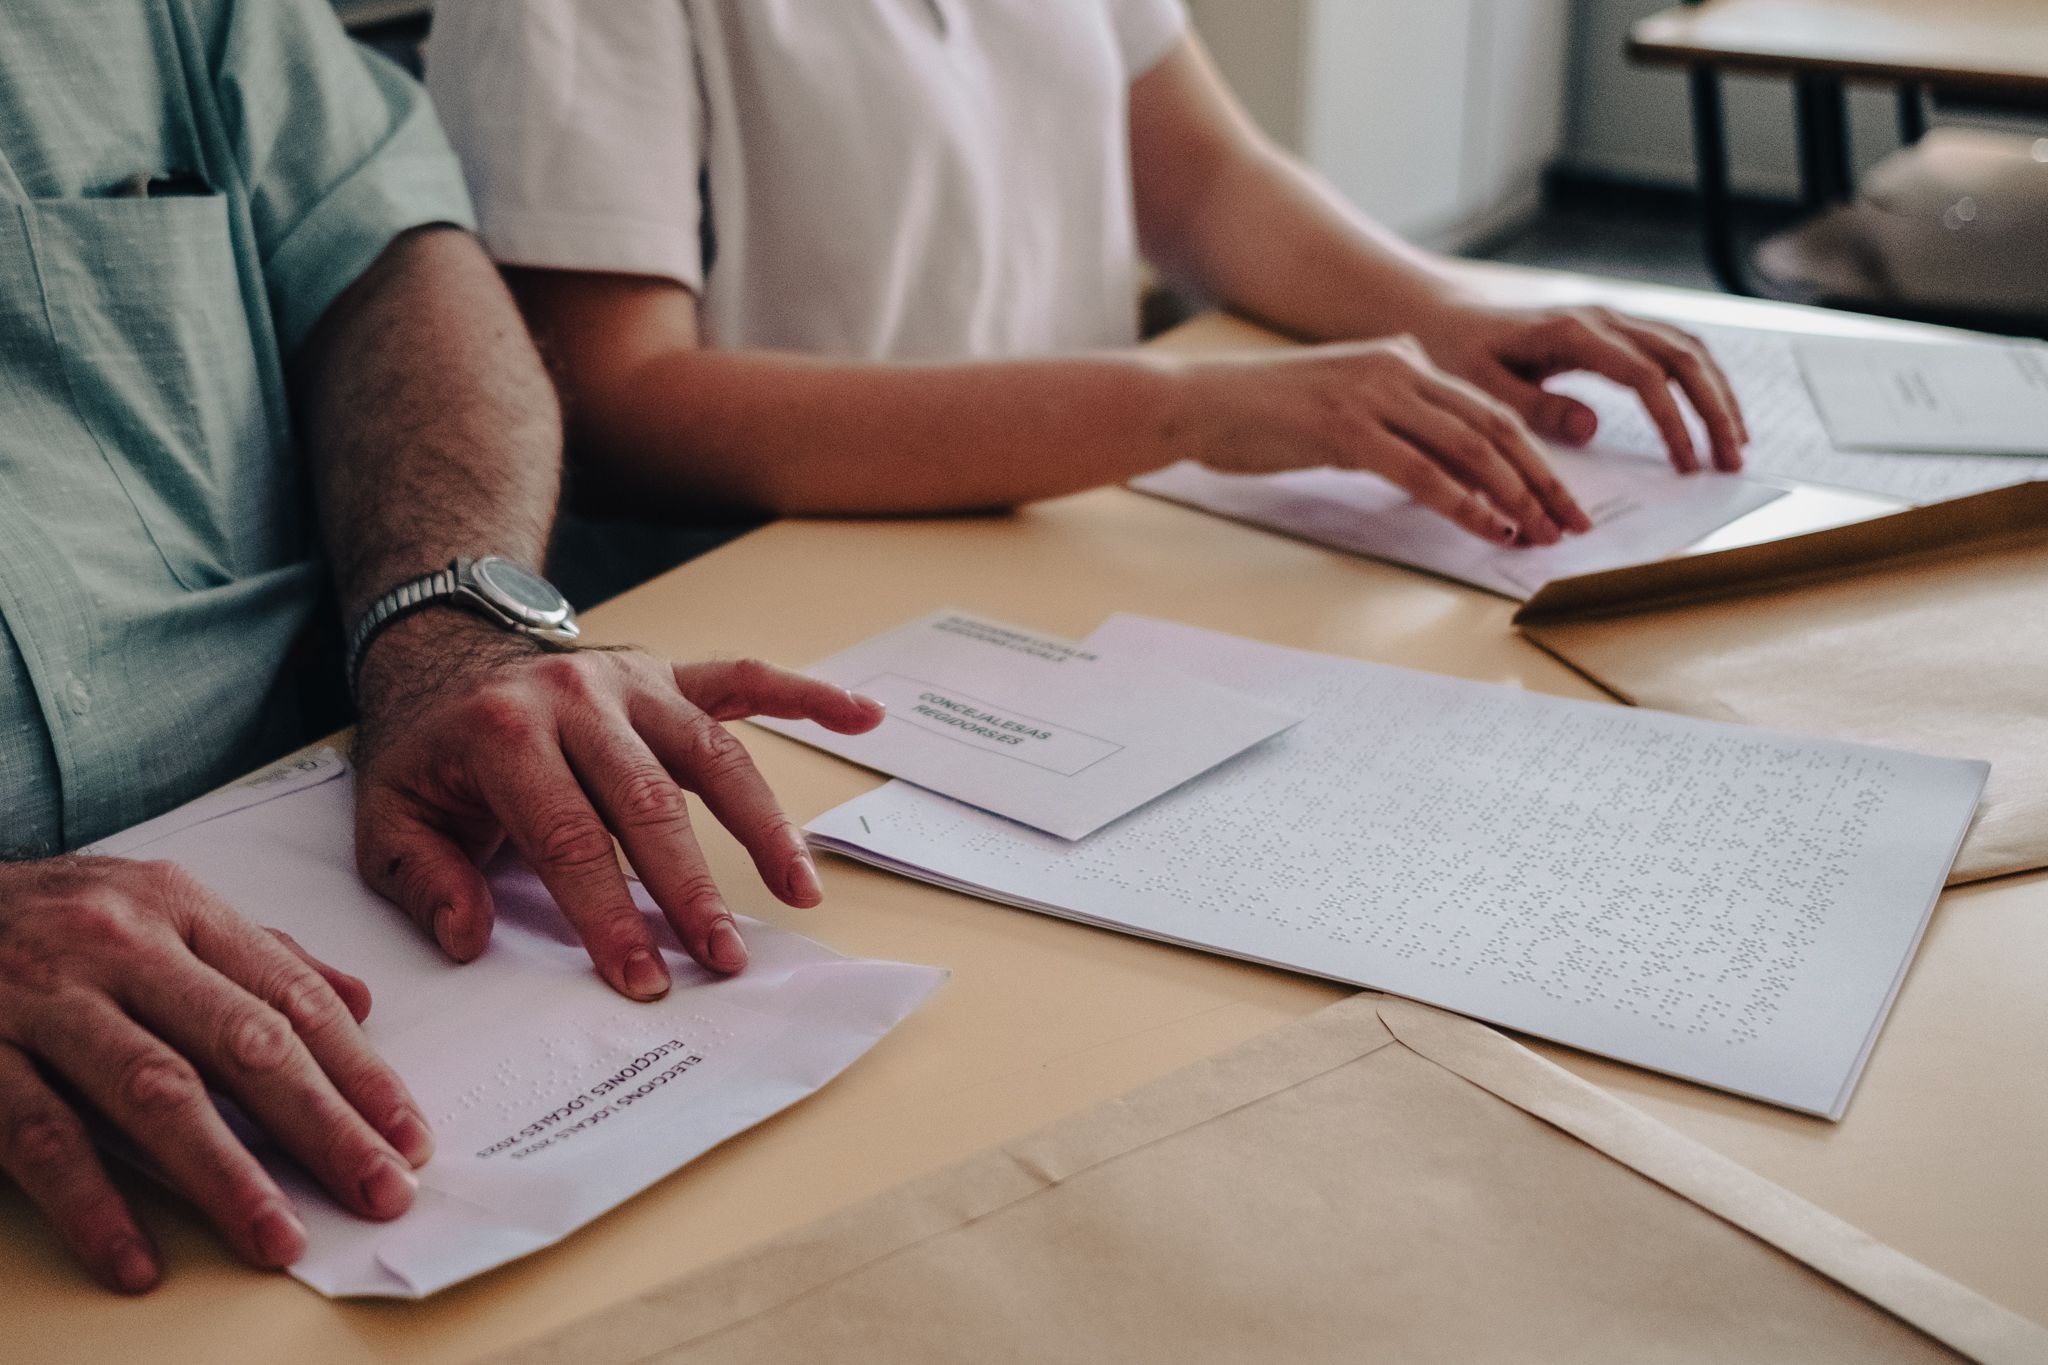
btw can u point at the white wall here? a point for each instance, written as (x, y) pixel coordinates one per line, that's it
(1437, 116)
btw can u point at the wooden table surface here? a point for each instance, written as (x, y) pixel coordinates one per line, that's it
(1992, 45)
(1941, 1153)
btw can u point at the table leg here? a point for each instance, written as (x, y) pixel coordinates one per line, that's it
(1912, 114)
(1710, 150)
(1823, 108)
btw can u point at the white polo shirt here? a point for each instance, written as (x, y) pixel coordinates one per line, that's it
(864, 179)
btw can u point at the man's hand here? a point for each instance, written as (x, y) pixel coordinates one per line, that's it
(1510, 352)
(129, 987)
(472, 737)
(1382, 407)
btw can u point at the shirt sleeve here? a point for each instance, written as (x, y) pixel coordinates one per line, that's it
(339, 152)
(581, 129)
(1146, 30)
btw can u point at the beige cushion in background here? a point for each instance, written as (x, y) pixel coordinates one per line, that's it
(1380, 1181)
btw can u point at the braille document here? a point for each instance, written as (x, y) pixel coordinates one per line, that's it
(552, 1099)
(1032, 727)
(1966, 397)
(1728, 905)
(1790, 439)
(1639, 512)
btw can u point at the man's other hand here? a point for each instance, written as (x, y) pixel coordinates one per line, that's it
(126, 987)
(472, 737)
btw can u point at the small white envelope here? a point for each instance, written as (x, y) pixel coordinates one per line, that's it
(1944, 397)
(1032, 727)
(552, 1099)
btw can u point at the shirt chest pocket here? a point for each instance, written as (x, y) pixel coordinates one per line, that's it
(146, 310)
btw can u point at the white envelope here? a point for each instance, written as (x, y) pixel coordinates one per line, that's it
(1031, 727)
(552, 1099)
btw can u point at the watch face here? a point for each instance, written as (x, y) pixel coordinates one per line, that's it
(526, 596)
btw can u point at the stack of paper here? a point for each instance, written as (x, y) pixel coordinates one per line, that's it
(1728, 905)
(551, 1098)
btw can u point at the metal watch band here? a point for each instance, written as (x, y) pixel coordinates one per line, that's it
(400, 601)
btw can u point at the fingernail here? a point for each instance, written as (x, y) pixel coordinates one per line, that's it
(804, 887)
(646, 978)
(863, 699)
(134, 1270)
(280, 1237)
(1582, 426)
(444, 926)
(728, 951)
(388, 1187)
(408, 1132)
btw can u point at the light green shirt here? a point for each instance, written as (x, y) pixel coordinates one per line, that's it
(157, 554)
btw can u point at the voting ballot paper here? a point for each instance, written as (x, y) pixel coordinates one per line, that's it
(1030, 726)
(551, 1099)
(1728, 905)
(1640, 512)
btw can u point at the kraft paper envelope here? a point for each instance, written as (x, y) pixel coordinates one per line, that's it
(1924, 630)
(1379, 1181)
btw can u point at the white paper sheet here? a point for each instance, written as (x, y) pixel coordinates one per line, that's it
(1964, 397)
(1724, 904)
(1639, 513)
(551, 1098)
(1790, 440)
(1030, 726)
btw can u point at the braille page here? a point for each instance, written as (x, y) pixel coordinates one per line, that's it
(1639, 513)
(1790, 439)
(1728, 905)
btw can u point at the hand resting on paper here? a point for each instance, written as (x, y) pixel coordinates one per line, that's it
(129, 987)
(1382, 407)
(1509, 352)
(471, 737)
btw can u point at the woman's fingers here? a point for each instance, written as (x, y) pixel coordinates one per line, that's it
(1686, 361)
(1584, 341)
(1472, 460)
(1513, 447)
(1405, 465)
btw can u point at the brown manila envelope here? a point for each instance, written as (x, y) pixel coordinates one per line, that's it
(1379, 1181)
(1925, 630)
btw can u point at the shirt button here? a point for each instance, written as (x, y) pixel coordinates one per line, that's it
(78, 696)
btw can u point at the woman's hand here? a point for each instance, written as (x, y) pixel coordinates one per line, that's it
(1509, 352)
(1384, 408)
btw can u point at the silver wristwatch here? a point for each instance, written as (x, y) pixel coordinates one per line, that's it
(494, 588)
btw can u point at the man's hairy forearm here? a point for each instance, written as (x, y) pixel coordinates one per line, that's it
(431, 427)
